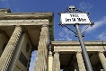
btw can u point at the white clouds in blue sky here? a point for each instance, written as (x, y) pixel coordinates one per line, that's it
(85, 6)
(64, 34)
(102, 36)
(97, 24)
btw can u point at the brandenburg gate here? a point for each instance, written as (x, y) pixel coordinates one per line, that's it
(22, 33)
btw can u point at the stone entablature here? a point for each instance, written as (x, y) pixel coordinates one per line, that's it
(38, 27)
(2, 10)
(7, 19)
(28, 15)
(75, 45)
(24, 22)
(71, 57)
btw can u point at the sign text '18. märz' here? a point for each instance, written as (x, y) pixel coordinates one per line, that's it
(75, 19)
(72, 18)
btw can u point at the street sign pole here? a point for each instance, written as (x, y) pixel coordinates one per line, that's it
(75, 17)
(84, 51)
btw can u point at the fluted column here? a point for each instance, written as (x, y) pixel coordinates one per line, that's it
(56, 62)
(9, 50)
(17, 53)
(102, 59)
(41, 58)
(50, 61)
(80, 61)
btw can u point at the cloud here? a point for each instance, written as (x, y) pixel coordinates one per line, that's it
(96, 25)
(64, 34)
(102, 36)
(85, 6)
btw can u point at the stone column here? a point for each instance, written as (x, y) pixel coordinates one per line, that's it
(102, 59)
(80, 61)
(75, 69)
(16, 53)
(9, 50)
(75, 66)
(41, 58)
(50, 61)
(56, 62)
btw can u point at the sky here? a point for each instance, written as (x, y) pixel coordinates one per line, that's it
(96, 9)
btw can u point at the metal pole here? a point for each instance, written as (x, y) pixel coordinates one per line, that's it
(84, 51)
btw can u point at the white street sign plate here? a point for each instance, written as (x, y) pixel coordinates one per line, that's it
(73, 18)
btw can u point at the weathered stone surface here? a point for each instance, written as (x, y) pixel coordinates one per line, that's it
(42, 55)
(9, 49)
(50, 61)
(102, 59)
(2, 10)
(75, 45)
(24, 22)
(56, 62)
(33, 15)
(80, 61)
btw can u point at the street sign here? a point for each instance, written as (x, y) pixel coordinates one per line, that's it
(73, 18)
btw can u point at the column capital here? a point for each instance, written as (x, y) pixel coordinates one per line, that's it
(56, 52)
(100, 51)
(50, 52)
(45, 25)
(17, 26)
(78, 51)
